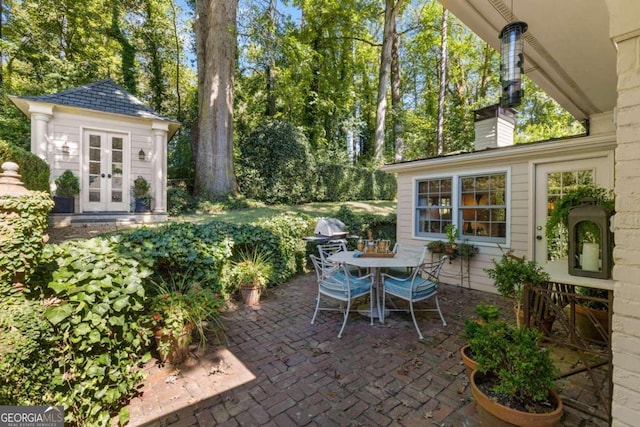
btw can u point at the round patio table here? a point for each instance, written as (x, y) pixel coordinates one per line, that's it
(401, 259)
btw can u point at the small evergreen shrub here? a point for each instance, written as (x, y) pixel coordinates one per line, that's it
(179, 201)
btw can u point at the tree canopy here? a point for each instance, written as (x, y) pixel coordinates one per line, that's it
(313, 63)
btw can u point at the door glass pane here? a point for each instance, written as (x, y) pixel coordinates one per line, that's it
(95, 168)
(558, 183)
(117, 165)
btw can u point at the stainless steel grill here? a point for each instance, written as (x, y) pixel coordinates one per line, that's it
(327, 230)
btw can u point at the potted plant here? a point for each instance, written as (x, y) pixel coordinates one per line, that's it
(141, 194)
(67, 187)
(510, 274)
(176, 309)
(487, 313)
(515, 378)
(452, 234)
(436, 246)
(250, 274)
(467, 250)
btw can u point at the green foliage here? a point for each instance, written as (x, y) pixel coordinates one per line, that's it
(487, 312)
(276, 165)
(525, 372)
(141, 188)
(67, 184)
(339, 182)
(27, 350)
(558, 221)
(383, 227)
(179, 201)
(23, 222)
(37, 178)
(97, 313)
(593, 293)
(467, 250)
(436, 246)
(451, 231)
(512, 272)
(251, 268)
(174, 305)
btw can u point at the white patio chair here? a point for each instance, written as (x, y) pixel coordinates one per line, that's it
(328, 249)
(341, 286)
(421, 285)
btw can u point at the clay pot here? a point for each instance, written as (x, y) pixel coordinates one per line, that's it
(178, 345)
(251, 294)
(493, 413)
(470, 364)
(585, 326)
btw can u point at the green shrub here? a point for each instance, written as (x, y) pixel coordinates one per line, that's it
(97, 318)
(275, 164)
(382, 226)
(23, 222)
(38, 177)
(67, 184)
(338, 182)
(27, 351)
(179, 201)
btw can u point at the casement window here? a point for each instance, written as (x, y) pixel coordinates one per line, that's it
(476, 204)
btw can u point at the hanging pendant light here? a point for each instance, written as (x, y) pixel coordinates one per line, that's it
(511, 63)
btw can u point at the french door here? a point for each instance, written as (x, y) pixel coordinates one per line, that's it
(106, 171)
(552, 181)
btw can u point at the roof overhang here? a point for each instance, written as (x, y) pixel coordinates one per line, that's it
(514, 153)
(568, 50)
(29, 107)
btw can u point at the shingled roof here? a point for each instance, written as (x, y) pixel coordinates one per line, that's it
(103, 95)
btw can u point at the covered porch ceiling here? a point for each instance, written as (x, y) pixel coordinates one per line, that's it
(568, 52)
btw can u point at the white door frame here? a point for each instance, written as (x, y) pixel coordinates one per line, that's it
(105, 171)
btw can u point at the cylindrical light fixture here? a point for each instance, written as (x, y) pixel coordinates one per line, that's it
(141, 154)
(511, 63)
(65, 149)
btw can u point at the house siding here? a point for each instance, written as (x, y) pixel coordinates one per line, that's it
(521, 169)
(68, 126)
(626, 272)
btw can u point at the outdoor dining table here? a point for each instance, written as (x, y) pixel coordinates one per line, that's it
(402, 259)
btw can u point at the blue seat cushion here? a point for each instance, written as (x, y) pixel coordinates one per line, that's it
(358, 286)
(402, 288)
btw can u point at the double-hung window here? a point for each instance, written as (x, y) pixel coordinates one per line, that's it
(475, 203)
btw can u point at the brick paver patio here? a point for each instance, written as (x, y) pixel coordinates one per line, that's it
(279, 370)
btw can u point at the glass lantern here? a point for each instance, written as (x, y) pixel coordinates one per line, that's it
(590, 241)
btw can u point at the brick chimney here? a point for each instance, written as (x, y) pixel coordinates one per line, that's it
(494, 127)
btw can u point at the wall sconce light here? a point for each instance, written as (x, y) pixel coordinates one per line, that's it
(65, 149)
(511, 63)
(141, 155)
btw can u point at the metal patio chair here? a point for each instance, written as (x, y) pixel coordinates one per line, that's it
(421, 285)
(342, 286)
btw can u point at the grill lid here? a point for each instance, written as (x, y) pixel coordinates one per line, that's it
(330, 227)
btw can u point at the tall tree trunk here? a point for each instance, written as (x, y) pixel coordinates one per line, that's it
(443, 81)
(271, 67)
(176, 38)
(215, 28)
(390, 14)
(128, 50)
(396, 97)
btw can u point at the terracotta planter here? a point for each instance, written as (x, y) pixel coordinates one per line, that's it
(470, 364)
(586, 327)
(178, 346)
(251, 294)
(494, 414)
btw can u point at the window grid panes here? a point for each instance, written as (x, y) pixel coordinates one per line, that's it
(434, 207)
(479, 210)
(483, 209)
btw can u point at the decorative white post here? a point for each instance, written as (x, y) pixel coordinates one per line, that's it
(159, 184)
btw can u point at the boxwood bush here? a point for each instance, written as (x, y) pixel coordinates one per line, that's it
(38, 177)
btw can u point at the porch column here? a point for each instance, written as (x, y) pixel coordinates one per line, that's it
(160, 166)
(40, 141)
(624, 29)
